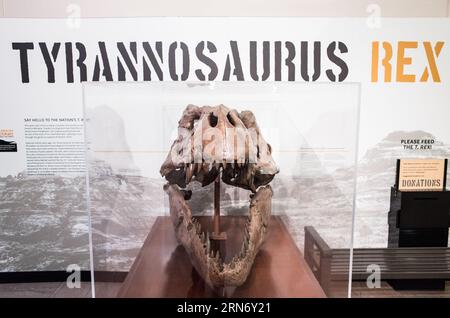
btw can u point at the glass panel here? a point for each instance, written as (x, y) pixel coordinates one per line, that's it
(130, 128)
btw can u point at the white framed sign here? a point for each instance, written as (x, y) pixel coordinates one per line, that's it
(421, 174)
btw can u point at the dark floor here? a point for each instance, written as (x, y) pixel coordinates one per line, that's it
(60, 290)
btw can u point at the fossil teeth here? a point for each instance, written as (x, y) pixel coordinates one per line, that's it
(208, 244)
(198, 227)
(202, 237)
(217, 256)
(246, 233)
(233, 262)
(189, 173)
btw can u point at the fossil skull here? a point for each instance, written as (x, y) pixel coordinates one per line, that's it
(213, 141)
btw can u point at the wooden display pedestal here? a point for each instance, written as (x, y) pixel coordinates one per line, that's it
(162, 267)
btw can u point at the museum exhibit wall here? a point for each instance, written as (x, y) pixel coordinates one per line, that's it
(291, 8)
(44, 224)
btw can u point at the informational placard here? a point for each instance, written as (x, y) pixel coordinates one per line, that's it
(421, 174)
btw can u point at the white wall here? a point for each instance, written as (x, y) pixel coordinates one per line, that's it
(325, 8)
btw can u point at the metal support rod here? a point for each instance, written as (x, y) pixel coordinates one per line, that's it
(217, 206)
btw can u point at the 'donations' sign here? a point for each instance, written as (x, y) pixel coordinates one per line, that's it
(421, 174)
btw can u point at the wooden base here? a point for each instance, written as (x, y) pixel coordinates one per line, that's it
(163, 269)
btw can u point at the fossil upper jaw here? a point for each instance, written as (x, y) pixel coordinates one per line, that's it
(212, 139)
(209, 264)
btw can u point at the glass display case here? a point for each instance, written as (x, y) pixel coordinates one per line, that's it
(312, 130)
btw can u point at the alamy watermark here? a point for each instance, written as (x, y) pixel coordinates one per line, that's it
(374, 279)
(74, 279)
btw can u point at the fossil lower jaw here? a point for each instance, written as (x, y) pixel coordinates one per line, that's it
(209, 264)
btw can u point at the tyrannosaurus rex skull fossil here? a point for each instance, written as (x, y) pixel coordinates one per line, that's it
(213, 141)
